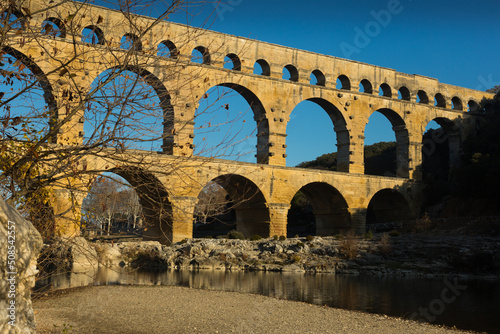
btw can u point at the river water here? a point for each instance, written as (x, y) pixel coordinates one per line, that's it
(466, 304)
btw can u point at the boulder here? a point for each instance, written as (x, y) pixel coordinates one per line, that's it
(20, 245)
(109, 255)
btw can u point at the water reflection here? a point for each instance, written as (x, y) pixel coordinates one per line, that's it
(475, 308)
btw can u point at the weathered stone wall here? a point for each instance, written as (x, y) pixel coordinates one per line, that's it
(20, 244)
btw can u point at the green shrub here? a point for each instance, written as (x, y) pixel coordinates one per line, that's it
(369, 235)
(183, 241)
(300, 244)
(282, 238)
(275, 237)
(296, 236)
(255, 237)
(309, 238)
(296, 258)
(235, 235)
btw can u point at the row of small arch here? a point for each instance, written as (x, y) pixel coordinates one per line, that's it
(93, 34)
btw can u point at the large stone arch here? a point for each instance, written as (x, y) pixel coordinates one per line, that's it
(387, 206)
(340, 128)
(259, 115)
(154, 198)
(402, 140)
(450, 134)
(160, 90)
(249, 204)
(43, 81)
(329, 207)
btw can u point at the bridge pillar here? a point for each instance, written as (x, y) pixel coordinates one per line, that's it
(179, 127)
(278, 215)
(402, 151)
(276, 141)
(357, 154)
(358, 220)
(415, 160)
(182, 218)
(66, 206)
(67, 103)
(343, 151)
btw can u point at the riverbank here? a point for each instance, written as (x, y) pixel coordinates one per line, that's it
(161, 309)
(406, 255)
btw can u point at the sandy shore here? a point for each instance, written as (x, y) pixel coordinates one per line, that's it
(162, 309)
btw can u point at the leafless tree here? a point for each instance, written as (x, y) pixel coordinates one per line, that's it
(124, 108)
(212, 202)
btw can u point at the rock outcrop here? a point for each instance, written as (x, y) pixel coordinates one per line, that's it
(402, 255)
(20, 244)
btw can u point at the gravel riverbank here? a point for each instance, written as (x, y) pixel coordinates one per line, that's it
(162, 309)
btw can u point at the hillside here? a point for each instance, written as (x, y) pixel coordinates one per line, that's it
(380, 159)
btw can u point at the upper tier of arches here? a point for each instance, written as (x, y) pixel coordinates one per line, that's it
(107, 27)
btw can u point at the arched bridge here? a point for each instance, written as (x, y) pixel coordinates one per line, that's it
(340, 199)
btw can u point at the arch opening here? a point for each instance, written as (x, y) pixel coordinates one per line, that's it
(440, 150)
(214, 214)
(439, 101)
(230, 123)
(232, 62)
(129, 109)
(473, 106)
(404, 94)
(386, 152)
(131, 42)
(386, 206)
(385, 90)
(167, 49)
(290, 73)
(54, 27)
(12, 19)
(310, 136)
(201, 55)
(92, 35)
(365, 86)
(317, 78)
(422, 97)
(343, 82)
(29, 99)
(127, 201)
(456, 103)
(261, 67)
(231, 202)
(318, 209)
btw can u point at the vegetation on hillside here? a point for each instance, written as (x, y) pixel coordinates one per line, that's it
(380, 159)
(477, 180)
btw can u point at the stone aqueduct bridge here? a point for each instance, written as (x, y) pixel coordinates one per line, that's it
(340, 199)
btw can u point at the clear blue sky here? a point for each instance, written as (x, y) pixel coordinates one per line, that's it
(454, 41)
